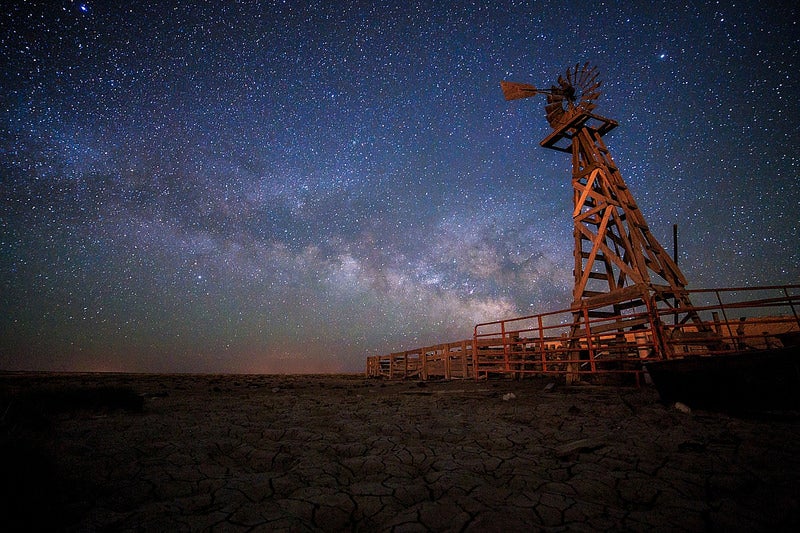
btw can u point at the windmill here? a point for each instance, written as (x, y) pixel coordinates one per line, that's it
(619, 264)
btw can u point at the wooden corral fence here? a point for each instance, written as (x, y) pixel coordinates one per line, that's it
(582, 342)
(451, 360)
(567, 342)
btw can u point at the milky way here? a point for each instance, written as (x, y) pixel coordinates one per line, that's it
(292, 186)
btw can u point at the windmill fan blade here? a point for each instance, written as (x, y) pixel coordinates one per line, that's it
(554, 98)
(549, 108)
(592, 80)
(592, 87)
(580, 74)
(558, 110)
(513, 90)
(586, 73)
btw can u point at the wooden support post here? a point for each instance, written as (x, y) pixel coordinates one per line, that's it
(464, 362)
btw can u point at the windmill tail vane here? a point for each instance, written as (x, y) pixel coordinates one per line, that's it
(514, 91)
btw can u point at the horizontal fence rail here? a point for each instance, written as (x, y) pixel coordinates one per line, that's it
(583, 342)
(451, 360)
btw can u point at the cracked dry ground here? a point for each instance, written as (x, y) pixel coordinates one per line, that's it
(332, 453)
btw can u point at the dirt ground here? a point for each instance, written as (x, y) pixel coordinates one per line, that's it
(82, 452)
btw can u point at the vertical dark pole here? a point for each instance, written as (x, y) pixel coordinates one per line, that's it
(675, 243)
(675, 260)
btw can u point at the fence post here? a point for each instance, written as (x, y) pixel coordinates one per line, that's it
(464, 366)
(574, 354)
(505, 345)
(475, 361)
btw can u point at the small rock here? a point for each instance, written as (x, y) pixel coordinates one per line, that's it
(509, 396)
(692, 446)
(683, 408)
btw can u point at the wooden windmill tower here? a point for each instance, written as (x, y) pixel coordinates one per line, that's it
(619, 264)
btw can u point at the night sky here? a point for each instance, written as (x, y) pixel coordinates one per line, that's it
(291, 186)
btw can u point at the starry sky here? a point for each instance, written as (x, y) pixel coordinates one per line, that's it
(291, 186)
